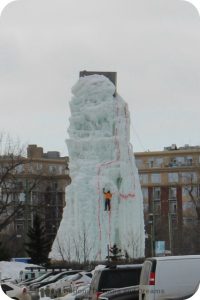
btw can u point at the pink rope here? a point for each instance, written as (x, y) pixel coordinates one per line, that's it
(126, 196)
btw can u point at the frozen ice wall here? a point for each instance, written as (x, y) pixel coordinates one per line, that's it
(101, 156)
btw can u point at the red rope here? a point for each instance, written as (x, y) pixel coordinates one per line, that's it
(105, 165)
(99, 207)
(129, 154)
(109, 216)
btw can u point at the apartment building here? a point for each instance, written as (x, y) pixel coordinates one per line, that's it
(34, 184)
(170, 181)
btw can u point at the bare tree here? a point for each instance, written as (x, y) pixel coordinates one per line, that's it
(132, 243)
(192, 186)
(68, 251)
(82, 246)
(12, 161)
(85, 243)
(19, 178)
(76, 245)
(61, 250)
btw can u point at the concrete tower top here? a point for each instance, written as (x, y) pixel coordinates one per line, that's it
(112, 76)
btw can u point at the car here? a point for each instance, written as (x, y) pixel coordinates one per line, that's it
(54, 289)
(66, 284)
(38, 279)
(79, 294)
(29, 282)
(126, 293)
(15, 292)
(53, 278)
(169, 277)
(81, 280)
(114, 277)
(36, 284)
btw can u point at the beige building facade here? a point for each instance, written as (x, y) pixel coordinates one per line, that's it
(170, 181)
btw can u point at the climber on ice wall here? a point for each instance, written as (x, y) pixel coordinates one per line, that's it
(107, 197)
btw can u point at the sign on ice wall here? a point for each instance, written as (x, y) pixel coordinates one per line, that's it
(104, 204)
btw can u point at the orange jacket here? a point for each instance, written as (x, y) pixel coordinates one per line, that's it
(107, 195)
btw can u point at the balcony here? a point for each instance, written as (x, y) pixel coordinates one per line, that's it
(181, 164)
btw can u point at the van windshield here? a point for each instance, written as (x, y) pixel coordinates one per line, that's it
(119, 278)
(145, 274)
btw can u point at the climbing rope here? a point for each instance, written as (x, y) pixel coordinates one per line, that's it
(107, 164)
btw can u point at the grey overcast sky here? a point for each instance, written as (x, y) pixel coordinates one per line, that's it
(153, 45)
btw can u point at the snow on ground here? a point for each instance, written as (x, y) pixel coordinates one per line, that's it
(11, 269)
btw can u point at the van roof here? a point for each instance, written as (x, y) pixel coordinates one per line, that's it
(124, 266)
(176, 257)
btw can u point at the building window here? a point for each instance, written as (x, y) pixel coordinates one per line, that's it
(172, 208)
(188, 160)
(61, 170)
(184, 177)
(52, 169)
(151, 163)
(180, 160)
(39, 166)
(157, 207)
(159, 162)
(155, 178)
(172, 177)
(156, 193)
(173, 162)
(189, 177)
(144, 178)
(172, 194)
(145, 192)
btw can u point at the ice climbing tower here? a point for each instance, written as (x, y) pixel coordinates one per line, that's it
(101, 159)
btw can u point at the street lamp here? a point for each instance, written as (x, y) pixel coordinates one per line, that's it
(151, 223)
(170, 231)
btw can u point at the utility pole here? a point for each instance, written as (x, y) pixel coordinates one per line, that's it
(108, 251)
(151, 222)
(26, 211)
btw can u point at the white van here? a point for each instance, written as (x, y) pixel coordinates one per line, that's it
(169, 277)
